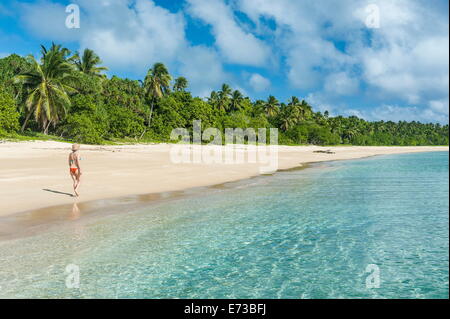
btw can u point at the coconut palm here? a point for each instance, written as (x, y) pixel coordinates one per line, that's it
(258, 107)
(226, 90)
(47, 85)
(294, 101)
(287, 119)
(224, 97)
(181, 83)
(156, 85)
(306, 109)
(88, 63)
(236, 100)
(297, 112)
(213, 98)
(271, 106)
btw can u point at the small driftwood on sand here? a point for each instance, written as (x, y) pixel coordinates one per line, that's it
(326, 152)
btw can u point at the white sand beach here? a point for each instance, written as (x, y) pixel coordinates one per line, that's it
(35, 174)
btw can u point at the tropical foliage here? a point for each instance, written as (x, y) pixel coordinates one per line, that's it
(47, 85)
(88, 63)
(68, 95)
(9, 117)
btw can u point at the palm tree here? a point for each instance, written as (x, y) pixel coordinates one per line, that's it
(258, 107)
(88, 63)
(294, 101)
(47, 85)
(287, 119)
(236, 100)
(297, 112)
(271, 106)
(181, 83)
(306, 109)
(156, 85)
(213, 99)
(224, 96)
(350, 133)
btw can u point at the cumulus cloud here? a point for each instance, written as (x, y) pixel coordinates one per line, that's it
(409, 58)
(323, 48)
(235, 44)
(130, 36)
(397, 113)
(46, 19)
(258, 82)
(123, 35)
(341, 84)
(202, 67)
(405, 59)
(138, 36)
(440, 106)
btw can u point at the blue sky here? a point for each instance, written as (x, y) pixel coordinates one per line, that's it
(328, 52)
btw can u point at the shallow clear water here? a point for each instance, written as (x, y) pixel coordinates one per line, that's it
(299, 234)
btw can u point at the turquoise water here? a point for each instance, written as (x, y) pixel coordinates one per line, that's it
(300, 234)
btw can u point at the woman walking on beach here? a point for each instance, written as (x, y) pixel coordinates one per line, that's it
(74, 167)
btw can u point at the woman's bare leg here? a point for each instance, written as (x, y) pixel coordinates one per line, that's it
(78, 178)
(74, 182)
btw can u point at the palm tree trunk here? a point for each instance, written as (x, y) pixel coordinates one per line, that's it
(149, 120)
(151, 113)
(46, 126)
(25, 122)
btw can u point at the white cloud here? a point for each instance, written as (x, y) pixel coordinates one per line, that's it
(301, 38)
(404, 113)
(235, 44)
(203, 68)
(258, 82)
(46, 19)
(135, 37)
(341, 84)
(440, 106)
(405, 59)
(323, 48)
(322, 102)
(435, 111)
(130, 36)
(411, 73)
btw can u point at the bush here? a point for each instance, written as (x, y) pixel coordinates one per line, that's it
(124, 122)
(313, 134)
(83, 128)
(166, 118)
(236, 120)
(87, 122)
(9, 117)
(87, 84)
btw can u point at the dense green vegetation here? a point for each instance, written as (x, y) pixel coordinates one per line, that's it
(67, 95)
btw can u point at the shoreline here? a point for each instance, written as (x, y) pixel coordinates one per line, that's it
(114, 172)
(31, 222)
(28, 223)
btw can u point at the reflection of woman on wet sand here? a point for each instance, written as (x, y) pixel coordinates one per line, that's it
(75, 212)
(74, 167)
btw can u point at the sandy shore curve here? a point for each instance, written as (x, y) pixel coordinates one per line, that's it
(34, 174)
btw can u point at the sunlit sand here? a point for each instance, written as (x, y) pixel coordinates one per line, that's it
(35, 175)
